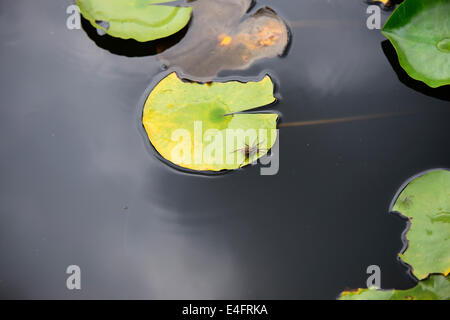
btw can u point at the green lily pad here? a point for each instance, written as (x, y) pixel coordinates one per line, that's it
(142, 20)
(420, 33)
(202, 127)
(426, 203)
(436, 287)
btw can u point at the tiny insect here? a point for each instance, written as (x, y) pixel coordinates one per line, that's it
(250, 151)
(406, 201)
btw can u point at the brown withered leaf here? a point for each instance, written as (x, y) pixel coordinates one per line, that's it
(385, 4)
(220, 38)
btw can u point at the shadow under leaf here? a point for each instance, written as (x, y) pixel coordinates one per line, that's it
(131, 47)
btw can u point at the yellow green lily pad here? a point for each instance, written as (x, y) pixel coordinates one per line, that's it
(142, 20)
(426, 203)
(436, 287)
(201, 126)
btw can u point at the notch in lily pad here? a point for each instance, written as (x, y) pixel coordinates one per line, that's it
(142, 20)
(203, 127)
(420, 33)
(425, 201)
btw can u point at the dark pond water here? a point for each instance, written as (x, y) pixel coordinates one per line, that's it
(80, 183)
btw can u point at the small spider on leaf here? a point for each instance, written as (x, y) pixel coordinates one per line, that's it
(406, 201)
(249, 151)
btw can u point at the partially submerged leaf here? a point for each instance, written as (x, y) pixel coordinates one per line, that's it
(142, 20)
(420, 32)
(218, 40)
(426, 203)
(385, 4)
(201, 127)
(436, 287)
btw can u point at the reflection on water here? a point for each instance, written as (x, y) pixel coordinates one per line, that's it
(342, 120)
(80, 185)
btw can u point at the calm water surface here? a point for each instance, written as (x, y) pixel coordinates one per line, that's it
(80, 183)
